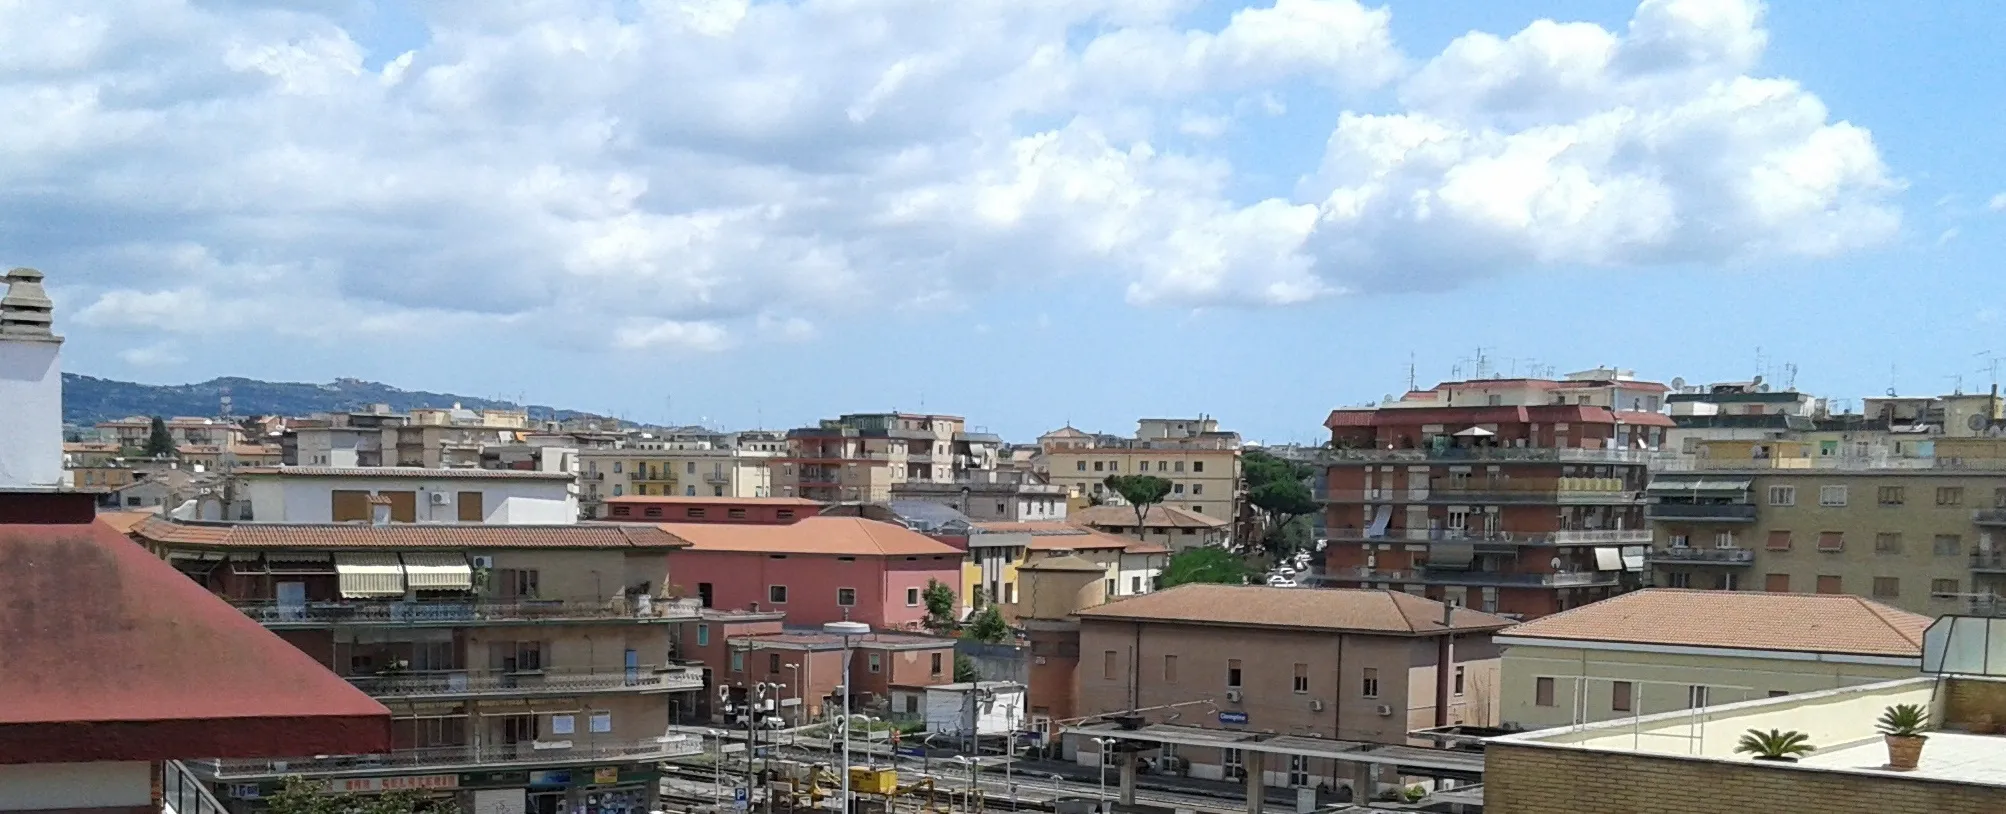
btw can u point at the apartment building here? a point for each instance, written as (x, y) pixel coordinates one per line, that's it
(997, 550)
(1349, 665)
(1053, 590)
(134, 431)
(1522, 497)
(627, 471)
(860, 457)
(816, 569)
(997, 495)
(1168, 526)
(529, 660)
(1662, 650)
(392, 494)
(1201, 462)
(1780, 517)
(808, 667)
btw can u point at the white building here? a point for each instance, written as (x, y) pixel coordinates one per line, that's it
(989, 707)
(31, 385)
(322, 494)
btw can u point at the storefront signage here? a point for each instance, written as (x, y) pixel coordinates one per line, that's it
(370, 784)
(1232, 717)
(503, 779)
(550, 777)
(605, 775)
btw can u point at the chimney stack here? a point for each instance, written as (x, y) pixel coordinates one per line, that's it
(31, 386)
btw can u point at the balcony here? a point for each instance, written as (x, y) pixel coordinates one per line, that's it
(1989, 561)
(1701, 556)
(1447, 576)
(458, 614)
(1989, 517)
(1702, 512)
(717, 477)
(528, 753)
(1511, 539)
(524, 683)
(1486, 496)
(1501, 454)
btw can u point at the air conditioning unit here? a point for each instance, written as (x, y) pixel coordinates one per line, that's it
(1385, 710)
(441, 498)
(1233, 696)
(482, 561)
(1315, 705)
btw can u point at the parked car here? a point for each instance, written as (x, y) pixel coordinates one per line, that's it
(1279, 581)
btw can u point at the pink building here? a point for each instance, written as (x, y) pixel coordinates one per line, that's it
(820, 569)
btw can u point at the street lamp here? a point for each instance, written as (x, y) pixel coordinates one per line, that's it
(717, 769)
(848, 630)
(1106, 746)
(968, 797)
(800, 704)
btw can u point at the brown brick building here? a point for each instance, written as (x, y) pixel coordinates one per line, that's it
(1353, 665)
(741, 649)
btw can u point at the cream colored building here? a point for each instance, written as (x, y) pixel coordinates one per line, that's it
(1660, 650)
(608, 473)
(862, 456)
(1201, 462)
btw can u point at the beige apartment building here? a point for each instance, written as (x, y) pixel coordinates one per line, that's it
(863, 457)
(1353, 665)
(624, 472)
(1661, 650)
(1773, 516)
(1201, 462)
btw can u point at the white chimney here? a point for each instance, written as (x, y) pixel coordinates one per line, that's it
(31, 386)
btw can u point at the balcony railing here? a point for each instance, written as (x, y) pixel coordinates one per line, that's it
(1988, 561)
(1722, 512)
(1447, 576)
(1568, 454)
(1989, 517)
(424, 613)
(1703, 556)
(1481, 496)
(717, 477)
(1676, 463)
(181, 792)
(526, 753)
(1535, 538)
(474, 683)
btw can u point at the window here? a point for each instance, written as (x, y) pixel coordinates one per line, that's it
(1696, 696)
(738, 661)
(1110, 587)
(1179, 467)
(1947, 545)
(1949, 495)
(912, 597)
(1621, 696)
(735, 514)
(846, 597)
(1831, 541)
(1100, 466)
(1177, 488)
(1831, 495)
(1080, 465)
(1142, 466)
(1779, 540)
(617, 489)
(1301, 681)
(1678, 579)
(1459, 679)
(1542, 692)
(776, 594)
(1369, 683)
(1298, 770)
(1107, 665)
(1830, 584)
(1197, 488)
(623, 511)
(1197, 508)
(876, 662)
(690, 491)
(694, 513)
(773, 662)
(689, 467)
(1887, 587)
(1778, 693)
(1162, 466)
(783, 514)
(935, 664)
(1135, 585)
(1197, 466)
(1114, 466)
(1782, 495)
(1999, 498)
(1232, 674)
(703, 635)
(616, 467)
(1888, 542)
(517, 583)
(1726, 582)
(1723, 539)
(1231, 764)
(1943, 587)
(1891, 495)
(1776, 583)
(1170, 669)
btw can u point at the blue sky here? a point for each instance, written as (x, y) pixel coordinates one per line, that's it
(1024, 212)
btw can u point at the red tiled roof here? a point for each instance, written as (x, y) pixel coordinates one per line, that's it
(1337, 609)
(1123, 517)
(114, 655)
(1742, 620)
(400, 536)
(845, 536)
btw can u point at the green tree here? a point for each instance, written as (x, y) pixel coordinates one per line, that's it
(1279, 490)
(964, 669)
(1141, 492)
(159, 442)
(987, 626)
(1204, 564)
(939, 601)
(299, 795)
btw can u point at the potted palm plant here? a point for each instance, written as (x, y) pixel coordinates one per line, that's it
(1775, 745)
(1902, 726)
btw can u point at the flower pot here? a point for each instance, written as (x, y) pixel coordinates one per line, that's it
(1777, 758)
(1904, 751)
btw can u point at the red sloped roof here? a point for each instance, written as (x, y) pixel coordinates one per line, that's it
(114, 655)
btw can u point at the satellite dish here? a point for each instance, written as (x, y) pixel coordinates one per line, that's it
(1757, 381)
(1678, 383)
(1762, 388)
(1976, 422)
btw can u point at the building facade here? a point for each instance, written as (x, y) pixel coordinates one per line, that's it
(310, 494)
(816, 570)
(1201, 462)
(861, 457)
(1522, 497)
(667, 470)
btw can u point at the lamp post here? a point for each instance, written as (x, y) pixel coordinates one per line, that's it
(849, 631)
(968, 796)
(1105, 745)
(800, 703)
(717, 769)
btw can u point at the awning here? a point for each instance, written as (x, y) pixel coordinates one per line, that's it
(300, 562)
(1451, 555)
(1475, 432)
(369, 575)
(1379, 522)
(1608, 559)
(1633, 558)
(438, 571)
(246, 564)
(1683, 485)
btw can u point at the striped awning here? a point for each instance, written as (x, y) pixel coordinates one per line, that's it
(367, 575)
(300, 562)
(438, 571)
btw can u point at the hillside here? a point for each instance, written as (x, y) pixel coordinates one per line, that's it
(88, 399)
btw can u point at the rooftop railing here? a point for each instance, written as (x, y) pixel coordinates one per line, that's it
(463, 683)
(523, 753)
(1701, 511)
(1725, 556)
(1452, 576)
(444, 612)
(1566, 537)
(1508, 454)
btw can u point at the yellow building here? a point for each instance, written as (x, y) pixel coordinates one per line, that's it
(609, 473)
(1201, 462)
(1660, 650)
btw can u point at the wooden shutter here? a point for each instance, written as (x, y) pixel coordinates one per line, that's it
(471, 510)
(403, 506)
(349, 506)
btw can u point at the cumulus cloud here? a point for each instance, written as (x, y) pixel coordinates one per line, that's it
(699, 174)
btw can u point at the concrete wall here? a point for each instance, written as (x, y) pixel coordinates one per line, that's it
(31, 387)
(1725, 674)
(947, 711)
(503, 501)
(585, 575)
(60, 786)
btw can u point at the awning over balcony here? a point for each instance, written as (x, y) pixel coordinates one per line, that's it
(1689, 485)
(369, 575)
(438, 571)
(1451, 555)
(1633, 557)
(1379, 522)
(1608, 559)
(300, 562)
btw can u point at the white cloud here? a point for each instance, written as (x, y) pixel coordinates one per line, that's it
(155, 355)
(1998, 202)
(697, 174)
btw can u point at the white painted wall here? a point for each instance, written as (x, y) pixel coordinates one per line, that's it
(31, 400)
(1138, 565)
(32, 786)
(947, 711)
(508, 501)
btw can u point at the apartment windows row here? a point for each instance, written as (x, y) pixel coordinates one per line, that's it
(1236, 674)
(1880, 587)
(1140, 466)
(1624, 695)
(873, 662)
(1176, 488)
(1838, 495)
(845, 597)
(1887, 543)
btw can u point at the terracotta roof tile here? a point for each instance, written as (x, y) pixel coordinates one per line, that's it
(401, 472)
(403, 535)
(845, 536)
(1333, 609)
(1153, 517)
(124, 521)
(1744, 620)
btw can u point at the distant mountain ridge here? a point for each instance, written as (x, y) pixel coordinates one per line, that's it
(89, 399)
